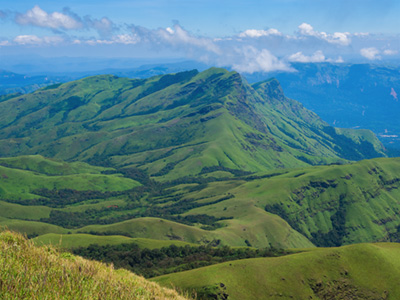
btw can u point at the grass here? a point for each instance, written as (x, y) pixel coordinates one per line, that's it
(21, 176)
(30, 228)
(42, 165)
(30, 272)
(361, 271)
(70, 241)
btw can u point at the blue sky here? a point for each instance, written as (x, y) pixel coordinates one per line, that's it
(248, 36)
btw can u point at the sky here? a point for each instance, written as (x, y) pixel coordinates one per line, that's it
(248, 36)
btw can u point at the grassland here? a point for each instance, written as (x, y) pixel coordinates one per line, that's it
(69, 241)
(30, 272)
(293, 208)
(21, 176)
(361, 271)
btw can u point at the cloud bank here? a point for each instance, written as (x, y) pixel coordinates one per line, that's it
(251, 50)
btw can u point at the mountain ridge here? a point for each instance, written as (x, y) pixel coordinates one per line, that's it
(164, 123)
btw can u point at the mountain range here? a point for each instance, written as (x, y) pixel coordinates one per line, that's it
(176, 125)
(201, 159)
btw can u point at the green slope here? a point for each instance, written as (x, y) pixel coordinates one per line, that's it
(30, 272)
(293, 208)
(175, 125)
(362, 271)
(84, 240)
(330, 205)
(21, 177)
(258, 230)
(40, 164)
(335, 205)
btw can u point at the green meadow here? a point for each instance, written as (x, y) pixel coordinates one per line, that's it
(360, 271)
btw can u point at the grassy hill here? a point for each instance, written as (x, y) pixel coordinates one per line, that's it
(30, 272)
(294, 208)
(21, 177)
(175, 125)
(69, 241)
(361, 271)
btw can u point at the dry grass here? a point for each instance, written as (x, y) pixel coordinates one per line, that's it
(30, 272)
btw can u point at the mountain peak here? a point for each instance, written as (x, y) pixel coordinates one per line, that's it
(270, 88)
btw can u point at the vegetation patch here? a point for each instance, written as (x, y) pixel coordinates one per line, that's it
(156, 262)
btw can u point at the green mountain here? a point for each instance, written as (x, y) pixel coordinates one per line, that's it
(176, 125)
(362, 271)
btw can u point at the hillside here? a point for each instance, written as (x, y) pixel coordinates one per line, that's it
(175, 125)
(362, 271)
(294, 208)
(30, 272)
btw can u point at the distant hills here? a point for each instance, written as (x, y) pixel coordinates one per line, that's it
(348, 95)
(17, 83)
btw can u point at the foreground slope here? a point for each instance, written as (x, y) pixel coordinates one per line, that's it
(176, 125)
(29, 272)
(362, 271)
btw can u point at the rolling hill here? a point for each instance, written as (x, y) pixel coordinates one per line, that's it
(362, 271)
(294, 208)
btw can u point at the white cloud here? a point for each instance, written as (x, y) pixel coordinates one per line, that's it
(370, 53)
(180, 37)
(340, 38)
(318, 56)
(35, 40)
(126, 39)
(27, 40)
(253, 60)
(250, 51)
(307, 29)
(255, 33)
(361, 34)
(66, 20)
(340, 60)
(390, 52)
(38, 17)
